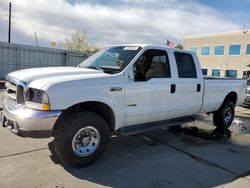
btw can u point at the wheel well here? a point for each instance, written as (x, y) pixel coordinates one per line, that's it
(99, 108)
(232, 96)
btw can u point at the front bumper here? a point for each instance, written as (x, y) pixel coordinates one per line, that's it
(27, 122)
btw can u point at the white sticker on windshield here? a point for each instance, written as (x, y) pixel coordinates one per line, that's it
(131, 48)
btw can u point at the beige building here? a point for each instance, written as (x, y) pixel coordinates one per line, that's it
(222, 54)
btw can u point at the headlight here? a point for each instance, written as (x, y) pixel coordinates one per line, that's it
(37, 99)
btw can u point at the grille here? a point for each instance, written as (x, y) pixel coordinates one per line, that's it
(14, 92)
(11, 90)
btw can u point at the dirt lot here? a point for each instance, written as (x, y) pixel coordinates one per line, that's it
(194, 155)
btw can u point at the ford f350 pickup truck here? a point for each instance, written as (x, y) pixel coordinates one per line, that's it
(123, 89)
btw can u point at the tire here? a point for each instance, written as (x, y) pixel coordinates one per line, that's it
(81, 138)
(224, 117)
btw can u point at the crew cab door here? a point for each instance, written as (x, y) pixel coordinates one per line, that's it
(189, 84)
(148, 93)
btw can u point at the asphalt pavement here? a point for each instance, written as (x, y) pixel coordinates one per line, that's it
(191, 155)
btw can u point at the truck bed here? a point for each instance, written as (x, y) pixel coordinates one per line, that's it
(216, 88)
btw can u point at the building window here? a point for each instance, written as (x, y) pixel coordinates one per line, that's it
(205, 50)
(219, 50)
(216, 72)
(231, 73)
(248, 49)
(204, 72)
(193, 49)
(234, 49)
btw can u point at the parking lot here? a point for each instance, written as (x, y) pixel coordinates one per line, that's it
(192, 155)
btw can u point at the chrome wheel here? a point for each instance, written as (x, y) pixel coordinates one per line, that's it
(228, 115)
(86, 141)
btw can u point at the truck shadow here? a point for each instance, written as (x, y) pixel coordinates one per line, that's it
(194, 131)
(138, 161)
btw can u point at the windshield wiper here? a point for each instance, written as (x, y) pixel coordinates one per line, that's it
(110, 68)
(95, 67)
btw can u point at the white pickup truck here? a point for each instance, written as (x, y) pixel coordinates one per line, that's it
(123, 89)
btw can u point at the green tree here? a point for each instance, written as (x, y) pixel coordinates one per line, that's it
(79, 42)
(179, 46)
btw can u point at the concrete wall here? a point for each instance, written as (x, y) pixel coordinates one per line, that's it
(16, 56)
(226, 61)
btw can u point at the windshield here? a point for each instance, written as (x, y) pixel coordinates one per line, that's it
(111, 60)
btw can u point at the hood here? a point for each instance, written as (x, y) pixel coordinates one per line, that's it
(43, 76)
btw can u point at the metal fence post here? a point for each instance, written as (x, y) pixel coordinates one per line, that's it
(64, 58)
(18, 58)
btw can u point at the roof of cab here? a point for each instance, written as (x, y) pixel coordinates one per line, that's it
(154, 46)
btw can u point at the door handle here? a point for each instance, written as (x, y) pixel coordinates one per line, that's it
(198, 87)
(173, 88)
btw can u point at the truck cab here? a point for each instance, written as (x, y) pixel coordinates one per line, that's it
(157, 83)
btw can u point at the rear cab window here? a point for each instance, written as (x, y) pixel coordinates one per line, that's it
(185, 65)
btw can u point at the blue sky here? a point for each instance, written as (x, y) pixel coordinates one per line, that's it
(234, 9)
(121, 21)
(228, 5)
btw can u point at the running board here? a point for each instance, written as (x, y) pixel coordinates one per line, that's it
(135, 129)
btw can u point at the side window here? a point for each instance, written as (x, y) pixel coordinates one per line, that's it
(152, 64)
(185, 65)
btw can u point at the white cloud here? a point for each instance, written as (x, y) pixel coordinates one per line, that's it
(125, 21)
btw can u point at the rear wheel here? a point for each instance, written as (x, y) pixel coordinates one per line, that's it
(224, 117)
(81, 138)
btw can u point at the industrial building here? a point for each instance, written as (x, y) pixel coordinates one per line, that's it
(222, 54)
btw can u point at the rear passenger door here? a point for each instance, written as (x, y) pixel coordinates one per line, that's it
(189, 85)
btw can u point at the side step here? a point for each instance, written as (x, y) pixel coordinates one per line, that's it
(135, 129)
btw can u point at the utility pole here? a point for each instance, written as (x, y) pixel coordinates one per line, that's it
(9, 35)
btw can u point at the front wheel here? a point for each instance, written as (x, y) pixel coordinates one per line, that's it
(224, 117)
(81, 138)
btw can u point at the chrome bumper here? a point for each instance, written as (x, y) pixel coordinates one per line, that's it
(27, 122)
